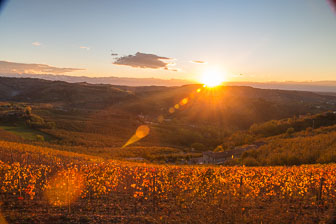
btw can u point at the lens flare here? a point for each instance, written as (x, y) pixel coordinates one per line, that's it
(184, 101)
(141, 132)
(65, 187)
(160, 119)
(171, 110)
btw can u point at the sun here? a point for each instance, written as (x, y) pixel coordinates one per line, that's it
(213, 77)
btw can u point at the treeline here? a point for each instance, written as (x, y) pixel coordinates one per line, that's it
(304, 148)
(278, 127)
(23, 115)
(156, 154)
(294, 124)
(199, 138)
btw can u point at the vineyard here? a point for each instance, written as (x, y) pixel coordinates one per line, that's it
(37, 186)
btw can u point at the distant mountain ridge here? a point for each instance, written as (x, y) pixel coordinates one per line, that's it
(316, 86)
(177, 116)
(313, 86)
(123, 81)
(239, 105)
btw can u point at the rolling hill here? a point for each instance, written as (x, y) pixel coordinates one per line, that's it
(99, 115)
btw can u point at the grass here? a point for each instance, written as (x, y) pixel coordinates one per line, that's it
(26, 133)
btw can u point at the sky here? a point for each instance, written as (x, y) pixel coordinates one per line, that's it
(259, 40)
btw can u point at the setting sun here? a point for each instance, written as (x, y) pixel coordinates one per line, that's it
(213, 77)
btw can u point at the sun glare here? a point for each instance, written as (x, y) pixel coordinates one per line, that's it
(212, 78)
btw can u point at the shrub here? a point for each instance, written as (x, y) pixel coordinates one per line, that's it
(40, 138)
(198, 146)
(329, 157)
(28, 110)
(249, 161)
(219, 149)
(289, 131)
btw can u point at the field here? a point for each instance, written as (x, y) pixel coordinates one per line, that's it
(26, 133)
(42, 185)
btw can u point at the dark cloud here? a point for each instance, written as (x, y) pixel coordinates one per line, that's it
(114, 53)
(22, 68)
(142, 60)
(332, 4)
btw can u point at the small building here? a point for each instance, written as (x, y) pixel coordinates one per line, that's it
(218, 158)
(198, 160)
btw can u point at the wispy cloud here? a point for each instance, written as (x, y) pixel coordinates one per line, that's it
(114, 54)
(36, 43)
(142, 60)
(239, 75)
(84, 47)
(198, 62)
(22, 68)
(174, 69)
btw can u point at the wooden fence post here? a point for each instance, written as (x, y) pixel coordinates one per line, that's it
(241, 185)
(68, 191)
(319, 196)
(154, 192)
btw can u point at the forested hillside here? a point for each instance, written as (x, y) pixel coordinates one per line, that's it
(182, 121)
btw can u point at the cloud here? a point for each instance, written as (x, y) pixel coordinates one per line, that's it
(22, 68)
(174, 69)
(84, 47)
(332, 4)
(142, 60)
(36, 43)
(239, 75)
(114, 54)
(198, 62)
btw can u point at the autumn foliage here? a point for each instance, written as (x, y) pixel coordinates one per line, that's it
(113, 190)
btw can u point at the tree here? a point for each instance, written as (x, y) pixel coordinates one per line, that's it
(219, 148)
(40, 138)
(289, 131)
(198, 146)
(28, 110)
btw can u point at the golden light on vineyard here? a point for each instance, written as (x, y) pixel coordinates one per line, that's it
(147, 183)
(2, 219)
